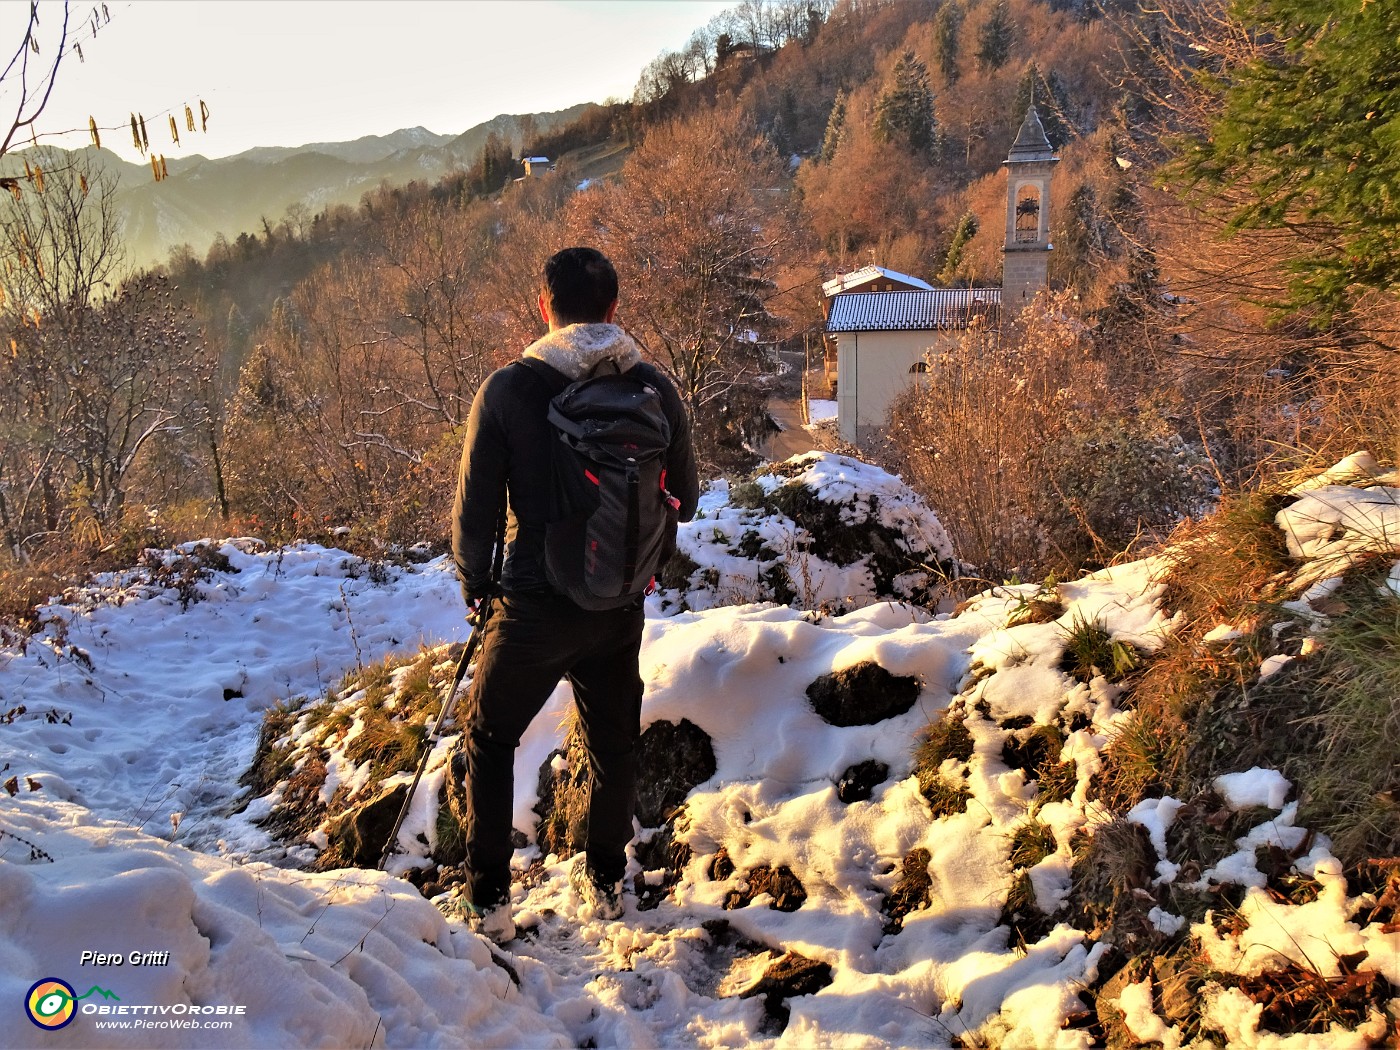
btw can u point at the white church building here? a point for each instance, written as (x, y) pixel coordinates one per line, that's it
(883, 324)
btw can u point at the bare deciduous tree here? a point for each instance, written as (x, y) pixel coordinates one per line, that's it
(60, 246)
(29, 76)
(92, 386)
(693, 229)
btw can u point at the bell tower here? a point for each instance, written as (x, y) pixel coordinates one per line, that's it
(1026, 253)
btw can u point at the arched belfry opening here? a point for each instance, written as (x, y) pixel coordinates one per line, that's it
(1027, 215)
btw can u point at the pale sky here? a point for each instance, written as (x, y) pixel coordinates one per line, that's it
(288, 72)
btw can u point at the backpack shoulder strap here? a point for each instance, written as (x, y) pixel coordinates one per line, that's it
(554, 379)
(601, 368)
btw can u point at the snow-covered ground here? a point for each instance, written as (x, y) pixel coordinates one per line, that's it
(128, 871)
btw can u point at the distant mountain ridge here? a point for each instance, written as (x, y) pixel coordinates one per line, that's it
(205, 197)
(365, 150)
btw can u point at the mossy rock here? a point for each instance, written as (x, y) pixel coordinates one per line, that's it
(862, 695)
(360, 835)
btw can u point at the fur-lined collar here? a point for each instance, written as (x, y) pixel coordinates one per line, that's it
(578, 348)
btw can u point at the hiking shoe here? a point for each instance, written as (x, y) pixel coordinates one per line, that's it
(494, 922)
(605, 898)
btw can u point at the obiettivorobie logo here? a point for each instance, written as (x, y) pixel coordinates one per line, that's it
(52, 1003)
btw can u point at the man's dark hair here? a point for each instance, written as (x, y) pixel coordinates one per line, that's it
(579, 286)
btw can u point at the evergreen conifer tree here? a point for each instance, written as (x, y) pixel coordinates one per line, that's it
(947, 30)
(831, 141)
(1309, 139)
(996, 37)
(904, 110)
(966, 230)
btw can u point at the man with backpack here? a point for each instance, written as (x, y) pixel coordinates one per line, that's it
(587, 450)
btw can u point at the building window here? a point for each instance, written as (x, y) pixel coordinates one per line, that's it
(918, 368)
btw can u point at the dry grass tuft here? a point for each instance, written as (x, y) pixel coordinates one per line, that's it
(946, 737)
(1109, 876)
(1144, 758)
(1351, 787)
(1091, 652)
(946, 797)
(1031, 843)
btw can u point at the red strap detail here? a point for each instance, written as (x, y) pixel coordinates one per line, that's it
(589, 475)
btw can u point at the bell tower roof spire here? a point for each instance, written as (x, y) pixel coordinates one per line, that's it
(1031, 143)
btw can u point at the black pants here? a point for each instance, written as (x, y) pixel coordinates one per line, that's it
(530, 642)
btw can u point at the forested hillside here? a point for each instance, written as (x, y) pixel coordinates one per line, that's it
(311, 372)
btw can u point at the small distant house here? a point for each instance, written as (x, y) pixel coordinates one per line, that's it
(535, 167)
(881, 325)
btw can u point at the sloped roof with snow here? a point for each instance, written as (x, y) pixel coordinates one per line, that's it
(846, 281)
(911, 311)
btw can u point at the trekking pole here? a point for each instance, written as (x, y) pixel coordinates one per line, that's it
(448, 703)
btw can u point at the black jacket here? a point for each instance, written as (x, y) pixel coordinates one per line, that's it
(508, 451)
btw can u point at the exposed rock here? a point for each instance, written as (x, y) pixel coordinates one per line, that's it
(660, 852)
(720, 962)
(721, 867)
(859, 782)
(911, 894)
(363, 831)
(785, 889)
(673, 758)
(862, 695)
(792, 974)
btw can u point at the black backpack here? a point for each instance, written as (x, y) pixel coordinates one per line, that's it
(612, 524)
